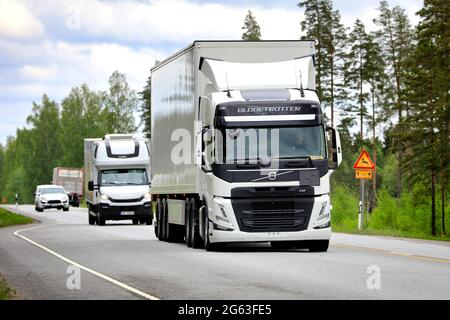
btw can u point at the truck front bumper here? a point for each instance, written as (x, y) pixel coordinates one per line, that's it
(239, 236)
(127, 212)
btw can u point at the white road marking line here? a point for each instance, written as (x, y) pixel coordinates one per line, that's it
(98, 274)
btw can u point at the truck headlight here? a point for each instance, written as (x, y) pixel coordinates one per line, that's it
(222, 215)
(324, 214)
(103, 197)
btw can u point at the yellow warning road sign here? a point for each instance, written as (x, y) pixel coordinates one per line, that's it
(363, 174)
(364, 161)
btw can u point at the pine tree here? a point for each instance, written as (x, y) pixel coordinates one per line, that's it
(251, 27)
(395, 37)
(323, 24)
(314, 28)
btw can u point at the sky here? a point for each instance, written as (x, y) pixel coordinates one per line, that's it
(49, 46)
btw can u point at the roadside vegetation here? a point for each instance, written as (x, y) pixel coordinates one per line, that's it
(407, 216)
(10, 219)
(6, 292)
(386, 90)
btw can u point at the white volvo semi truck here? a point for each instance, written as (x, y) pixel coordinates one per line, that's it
(117, 179)
(240, 150)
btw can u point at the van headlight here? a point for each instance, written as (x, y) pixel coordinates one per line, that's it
(103, 197)
(324, 214)
(147, 196)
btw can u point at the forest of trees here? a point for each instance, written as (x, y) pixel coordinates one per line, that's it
(55, 132)
(386, 91)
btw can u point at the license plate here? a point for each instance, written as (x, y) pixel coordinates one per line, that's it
(127, 213)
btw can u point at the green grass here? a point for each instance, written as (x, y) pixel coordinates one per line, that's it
(11, 219)
(6, 292)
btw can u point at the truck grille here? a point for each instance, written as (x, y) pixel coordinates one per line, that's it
(273, 214)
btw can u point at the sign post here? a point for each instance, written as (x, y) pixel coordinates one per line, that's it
(363, 171)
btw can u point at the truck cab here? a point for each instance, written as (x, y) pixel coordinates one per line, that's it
(117, 179)
(259, 165)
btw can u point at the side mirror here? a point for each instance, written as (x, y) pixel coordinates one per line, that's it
(91, 185)
(334, 148)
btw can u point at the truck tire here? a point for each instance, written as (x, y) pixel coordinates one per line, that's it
(100, 220)
(207, 244)
(91, 218)
(318, 245)
(196, 241)
(158, 220)
(187, 223)
(163, 220)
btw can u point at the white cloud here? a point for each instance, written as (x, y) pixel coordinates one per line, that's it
(16, 21)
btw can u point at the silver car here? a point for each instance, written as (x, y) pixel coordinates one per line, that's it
(51, 196)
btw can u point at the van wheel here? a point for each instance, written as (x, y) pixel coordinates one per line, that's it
(149, 221)
(318, 245)
(135, 221)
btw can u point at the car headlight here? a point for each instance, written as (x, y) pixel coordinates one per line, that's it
(44, 199)
(324, 214)
(147, 196)
(103, 197)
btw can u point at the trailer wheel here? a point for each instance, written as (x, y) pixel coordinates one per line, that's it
(196, 240)
(187, 222)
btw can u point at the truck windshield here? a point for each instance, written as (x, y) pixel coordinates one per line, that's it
(281, 143)
(120, 177)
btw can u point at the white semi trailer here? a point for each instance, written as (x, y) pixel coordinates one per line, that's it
(240, 150)
(117, 179)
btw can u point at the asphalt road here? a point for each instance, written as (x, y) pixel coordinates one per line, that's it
(123, 261)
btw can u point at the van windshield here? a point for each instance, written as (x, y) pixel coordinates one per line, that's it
(120, 177)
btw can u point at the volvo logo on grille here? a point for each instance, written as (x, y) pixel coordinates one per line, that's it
(272, 175)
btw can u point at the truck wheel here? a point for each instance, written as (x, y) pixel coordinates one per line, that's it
(318, 245)
(91, 218)
(206, 243)
(158, 219)
(100, 221)
(196, 241)
(163, 220)
(187, 222)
